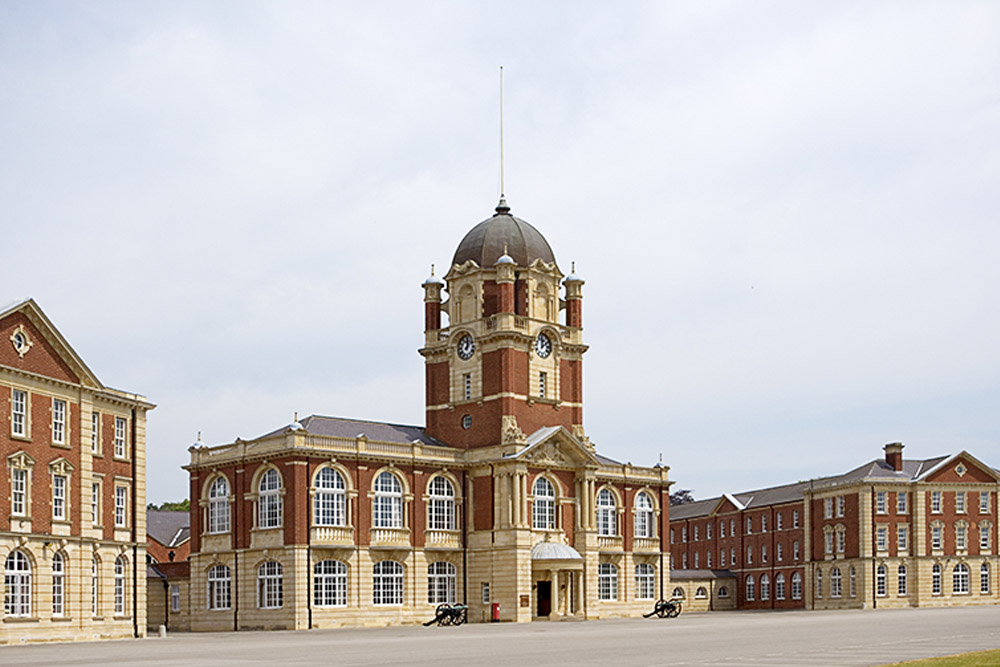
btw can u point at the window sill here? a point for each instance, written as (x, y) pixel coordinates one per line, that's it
(122, 459)
(20, 438)
(62, 619)
(20, 619)
(96, 455)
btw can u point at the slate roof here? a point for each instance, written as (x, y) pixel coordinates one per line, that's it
(487, 241)
(170, 529)
(678, 575)
(341, 427)
(876, 469)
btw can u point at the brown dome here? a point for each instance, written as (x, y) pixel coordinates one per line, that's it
(485, 242)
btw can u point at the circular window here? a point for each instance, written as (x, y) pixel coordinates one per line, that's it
(467, 422)
(19, 341)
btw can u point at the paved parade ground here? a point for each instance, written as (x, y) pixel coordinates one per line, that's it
(799, 638)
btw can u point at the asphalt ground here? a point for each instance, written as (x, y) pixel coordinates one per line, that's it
(796, 638)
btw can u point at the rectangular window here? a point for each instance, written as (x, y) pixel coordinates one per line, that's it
(19, 413)
(778, 522)
(749, 526)
(708, 531)
(59, 497)
(984, 502)
(779, 552)
(722, 530)
(708, 560)
(841, 503)
(881, 502)
(175, 597)
(95, 503)
(882, 538)
(684, 561)
(749, 555)
(95, 432)
(763, 523)
(121, 501)
(722, 557)
(732, 556)
(984, 537)
(828, 543)
(696, 533)
(543, 378)
(961, 536)
(828, 508)
(18, 488)
(902, 540)
(684, 533)
(763, 553)
(697, 560)
(901, 502)
(58, 421)
(841, 541)
(467, 379)
(486, 592)
(795, 550)
(795, 518)
(960, 502)
(672, 536)
(120, 449)
(936, 537)
(732, 527)
(936, 502)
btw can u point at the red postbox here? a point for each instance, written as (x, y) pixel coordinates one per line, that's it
(495, 612)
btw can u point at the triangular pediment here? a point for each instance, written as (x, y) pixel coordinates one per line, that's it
(726, 504)
(30, 342)
(556, 447)
(961, 467)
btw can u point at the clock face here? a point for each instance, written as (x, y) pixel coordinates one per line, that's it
(543, 346)
(466, 347)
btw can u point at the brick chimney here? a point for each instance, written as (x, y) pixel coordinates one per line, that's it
(894, 455)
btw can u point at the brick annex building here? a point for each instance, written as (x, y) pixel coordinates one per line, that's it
(500, 500)
(893, 532)
(74, 475)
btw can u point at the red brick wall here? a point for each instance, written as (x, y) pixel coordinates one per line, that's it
(41, 358)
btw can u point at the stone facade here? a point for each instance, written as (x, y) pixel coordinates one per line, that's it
(71, 492)
(501, 502)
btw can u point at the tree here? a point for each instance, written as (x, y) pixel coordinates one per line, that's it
(182, 506)
(681, 497)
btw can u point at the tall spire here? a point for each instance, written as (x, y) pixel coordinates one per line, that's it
(503, 201)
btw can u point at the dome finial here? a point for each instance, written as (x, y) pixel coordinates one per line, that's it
(502, 207)
(432, 270)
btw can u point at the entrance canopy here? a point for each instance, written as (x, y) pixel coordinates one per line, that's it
(555, 556)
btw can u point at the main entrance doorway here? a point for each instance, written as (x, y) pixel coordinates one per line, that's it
(543, 593)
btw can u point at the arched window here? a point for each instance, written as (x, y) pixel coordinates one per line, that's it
(269, 585)
(544, 505)
(95, 586)
(269, 500)
(960, 579)
(330, 583)
(751, 590)
(880, 586)
(643, 515)
(388, 501)
(330, 501)
(17, 585)
(607, 581)
(645, 587)
(779, 586)
(936, 579)
(607, 513)
(678, 593)
(984, 577)
(701, 593)
(120, 586)
(765, 587)
(218, 506)
(387, 583)
(901, 580)
(796, 586)
(441, 514)
(219, 587)
(441, 583)
(58, 584)
(836, 582)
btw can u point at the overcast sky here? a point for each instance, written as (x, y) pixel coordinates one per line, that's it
(787, 214)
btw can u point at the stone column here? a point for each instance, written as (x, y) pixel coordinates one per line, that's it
(554, 579)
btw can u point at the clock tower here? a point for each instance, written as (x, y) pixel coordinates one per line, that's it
(509, 360)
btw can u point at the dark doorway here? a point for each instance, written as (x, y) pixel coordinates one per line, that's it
(544, 597)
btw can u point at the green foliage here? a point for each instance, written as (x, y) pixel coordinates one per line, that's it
(182, 506)
(681, 497)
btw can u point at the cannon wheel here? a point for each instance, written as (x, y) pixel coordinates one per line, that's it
(462, 617)
(675, 611)
(443, 613)
(661, 608)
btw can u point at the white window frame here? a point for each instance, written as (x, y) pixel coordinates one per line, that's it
(330, 583)
(17, 585)
(960, 502)
(121, 506)
(902, 502)
(779, 551)
(218, 506)
(218, 588)
(901, 583)
(19, 491)
(984, 578)
(902, 540)
(779, 586)
(765, 587)
(935, 502)
(960, 579)
(778, 521)
(95, 432)
(58, 584)
(881, 502)
(936, 587)
(269, 500)
(836, 583)
(985, 535)
(442, 583)
(961, 536)
(882, 538)
(607, 582)
(95, 586)
(467, 382)
(441, 504)
(795, 518)
(121, 438)
(607, 513)
(543, 381)
(121, 568)
(796, 586)
(58, 421)
(59, 499)
(841, 505)
(175, 597)
(984, 502)
(881, 581)
(19, 413)
(388, 589)
(95, 503)
(644, 512)
(270, 585)
(330, 499)
(543, 505)
(937, 536)
(387, 504)
(751, 590)
(828, 508)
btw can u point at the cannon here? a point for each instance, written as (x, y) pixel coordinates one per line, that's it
(665, 609)
(449, 614)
